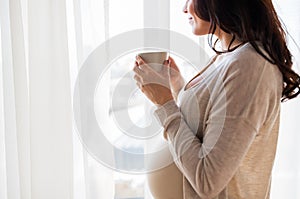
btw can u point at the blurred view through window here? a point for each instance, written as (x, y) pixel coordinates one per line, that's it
(122, 16)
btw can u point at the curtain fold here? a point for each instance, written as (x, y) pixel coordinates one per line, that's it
(11, 157)
(21, 97)
(75, 45)
(92, 179)
(49, 101)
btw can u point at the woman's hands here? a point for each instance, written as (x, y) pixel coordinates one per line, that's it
(158, 86)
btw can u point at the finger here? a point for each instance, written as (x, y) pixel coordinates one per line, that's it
(173, 64)
(140, 86)
(139, 60)
(138, 78)
(166, 62)
(142, 64)
(137, 69)
(166, 66)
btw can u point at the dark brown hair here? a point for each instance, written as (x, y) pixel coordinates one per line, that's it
(253, 21)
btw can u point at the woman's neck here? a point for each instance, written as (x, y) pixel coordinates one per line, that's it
(226, 40)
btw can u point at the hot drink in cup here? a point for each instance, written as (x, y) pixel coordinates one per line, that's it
(154, 59)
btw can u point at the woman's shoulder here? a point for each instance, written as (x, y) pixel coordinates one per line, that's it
(248, 66)
(244, 55)
(247, 59)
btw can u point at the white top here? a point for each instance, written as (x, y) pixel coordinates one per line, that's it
(223, 135)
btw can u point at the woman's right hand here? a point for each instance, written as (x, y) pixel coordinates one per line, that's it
(176, 79)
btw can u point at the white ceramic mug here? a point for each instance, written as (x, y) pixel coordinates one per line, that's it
(155, 59)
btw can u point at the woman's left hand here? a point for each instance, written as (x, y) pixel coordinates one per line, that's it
(155, 85)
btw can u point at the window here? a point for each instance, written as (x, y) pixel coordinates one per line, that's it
(101, 20)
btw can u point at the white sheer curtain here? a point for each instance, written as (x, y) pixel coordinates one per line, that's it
(36, 155)
(43, 44)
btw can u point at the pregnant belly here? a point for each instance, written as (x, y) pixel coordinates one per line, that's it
(166, 182)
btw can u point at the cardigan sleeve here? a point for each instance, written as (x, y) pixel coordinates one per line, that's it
(240, 105)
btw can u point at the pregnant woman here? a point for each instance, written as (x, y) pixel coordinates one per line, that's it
(223, 133)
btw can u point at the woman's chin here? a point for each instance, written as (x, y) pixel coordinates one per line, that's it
(198, 32)
(195, 32)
